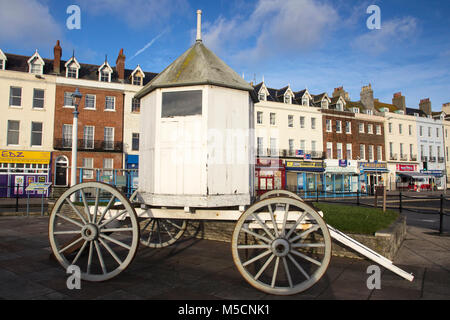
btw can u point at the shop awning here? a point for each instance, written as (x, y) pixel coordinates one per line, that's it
(416, 175)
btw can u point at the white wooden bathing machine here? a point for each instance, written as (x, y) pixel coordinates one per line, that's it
(196, 143)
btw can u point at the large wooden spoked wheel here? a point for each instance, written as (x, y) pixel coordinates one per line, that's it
(161, 233)
(281, 246)
(280, 193)
(94, 226)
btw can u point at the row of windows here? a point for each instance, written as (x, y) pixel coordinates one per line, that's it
(430, 132)
(371, 156)
(15, 97)
(13, 133)
(400, 129)
(108, 163)
(348, 127)
(15, 100)
(273, 121)
(431, 153)
(89, 134)
(403, 154)
(274, 146)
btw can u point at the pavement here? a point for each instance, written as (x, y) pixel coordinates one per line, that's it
(194, 269)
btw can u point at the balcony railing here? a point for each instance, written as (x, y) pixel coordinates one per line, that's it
(404, 157)
(413, 158)
(432, 159)
(393, 157)
(424, 159)
(89, 145)
(441, 159)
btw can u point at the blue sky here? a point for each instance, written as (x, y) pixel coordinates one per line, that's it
(317, 44)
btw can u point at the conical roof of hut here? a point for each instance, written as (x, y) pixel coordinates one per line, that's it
(197, 66)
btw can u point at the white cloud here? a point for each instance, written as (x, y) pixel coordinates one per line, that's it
(136, 13)
(391, 34)
(279, 26)
(28, 23)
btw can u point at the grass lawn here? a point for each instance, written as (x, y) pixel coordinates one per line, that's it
(354, 219)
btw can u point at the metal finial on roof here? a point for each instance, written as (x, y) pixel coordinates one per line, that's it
(199, 25)
(73, 53)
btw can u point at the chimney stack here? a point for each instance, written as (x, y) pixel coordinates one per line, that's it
(120, 66)
(446, 108)
(340, 92)
(399, 101)
(57, 52)
(367, 97)
(425, 106)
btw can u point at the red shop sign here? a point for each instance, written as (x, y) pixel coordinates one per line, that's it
(406, 167)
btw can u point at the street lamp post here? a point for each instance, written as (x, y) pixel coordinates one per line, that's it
(76, 98)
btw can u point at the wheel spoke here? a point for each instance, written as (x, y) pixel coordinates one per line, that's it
(67, 232)
(299, 267)
(262, 255)
(305, 233)
(296, 224)
(174, 224)
(100, 257)
(86, 207)
(262, 224)
(79, 253)
(288, 273)
(256, 235)
(164, 226)
(253, 246)
(123, 245)
(70, 220)
(111, 201)
(264, 267)
(301, 255)
(116, 230)
(151, 231)
(275, 271)
(159, 231)
(112, 219)
(275, 226)
(147, 224)
(111, 252)
(97, 195)
(70, 245)
(90, 258)
(76, 211)
(308, 245)
(286, 213)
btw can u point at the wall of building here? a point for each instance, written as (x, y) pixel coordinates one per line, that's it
(26, 113)
(281, 130)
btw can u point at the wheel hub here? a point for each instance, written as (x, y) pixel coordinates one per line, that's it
(280, 247)
(89, 232)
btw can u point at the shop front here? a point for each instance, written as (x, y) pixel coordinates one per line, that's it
(306, 177)
(20, 168)
(403, 175)
(372, 174)
(438, 181)
(270, 175)
(341, 177)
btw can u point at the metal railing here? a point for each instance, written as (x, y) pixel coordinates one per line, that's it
(89, 145)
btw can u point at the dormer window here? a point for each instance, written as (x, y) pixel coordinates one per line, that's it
(72, 68)
(355, 110)
(305, 101)
(287, 99)
(369, 112)
(137, 77)
(416, 114)
(324, 104)
(104, 73)
(137, 80)
(2, 64)
(262, 96)
(400, 112)
(36, 64)
(339, 106)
